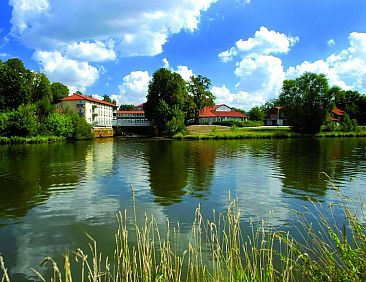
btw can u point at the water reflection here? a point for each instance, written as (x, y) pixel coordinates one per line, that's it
(51, 194)
(30, 173)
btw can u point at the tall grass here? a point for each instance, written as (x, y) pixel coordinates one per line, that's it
(220, 249)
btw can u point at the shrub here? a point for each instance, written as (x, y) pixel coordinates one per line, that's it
(59, 125)
(81, 129)
(23, 122)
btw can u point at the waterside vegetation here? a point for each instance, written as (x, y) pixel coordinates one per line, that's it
(219, 250)
(208, 132)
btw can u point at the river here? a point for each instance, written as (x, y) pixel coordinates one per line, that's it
(51, 194)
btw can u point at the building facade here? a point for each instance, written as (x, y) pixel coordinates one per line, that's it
(96, 112)
(219, 113)
(135, 117)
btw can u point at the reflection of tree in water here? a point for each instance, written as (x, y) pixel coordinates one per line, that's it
(302, 161)
(28, 171)
(202, 161)
(179, 167)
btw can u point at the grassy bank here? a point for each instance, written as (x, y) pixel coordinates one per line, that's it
(31, 140)
(207, 132)
(219, 250)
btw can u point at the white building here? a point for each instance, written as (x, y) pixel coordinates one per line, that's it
(96, 112)
(135, 117)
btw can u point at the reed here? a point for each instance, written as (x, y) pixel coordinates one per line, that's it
(220, 249)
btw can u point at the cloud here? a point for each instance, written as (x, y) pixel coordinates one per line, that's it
(133, 89)
(264, 42)
(259, 72)
(75, 74)
(185, 72)
(91, 51)
(331, 42)
(346, 68)
(240, 99)
(137, 28)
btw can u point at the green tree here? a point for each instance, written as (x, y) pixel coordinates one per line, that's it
(59, 91)
(23, 122)
(15, 84)
(59, 125)
(107, 98)
(198, 89)
(41, 87)
(307, 102)
(81, 129)
(256, 113)
(126, 107)
(166, 99)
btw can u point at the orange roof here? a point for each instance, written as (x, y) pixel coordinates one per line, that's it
(210, 111)
(131, 112)
(338, 112)
(76, 96)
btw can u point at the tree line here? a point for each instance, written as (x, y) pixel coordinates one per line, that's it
(308, 101)
(27, 108)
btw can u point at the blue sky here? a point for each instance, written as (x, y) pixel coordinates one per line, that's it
(246, 47)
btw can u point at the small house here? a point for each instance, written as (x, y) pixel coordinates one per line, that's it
(219, 113)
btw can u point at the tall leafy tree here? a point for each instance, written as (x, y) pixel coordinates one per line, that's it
(15, 84)
(59, 91)
(198, 89)
(257, 113)
(307, 102)
(166, 100)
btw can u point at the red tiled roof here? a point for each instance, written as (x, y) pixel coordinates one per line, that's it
(211, 112)
(338, 112)
(332, 118)
(76, 96)
(130, 112)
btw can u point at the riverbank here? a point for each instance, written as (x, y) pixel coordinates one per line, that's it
(31, 140)
(207, 132)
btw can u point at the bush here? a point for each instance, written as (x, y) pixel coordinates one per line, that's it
(348, 124)
(81, 129)
(23, 122)
(4, 117)
(59, 125)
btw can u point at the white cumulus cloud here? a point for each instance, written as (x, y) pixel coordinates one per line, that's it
(137, 28)
(91, 51)
(239, 99)
(264, 42)
(346, 68)
(133, 89)
(75, 74)
(259, 71)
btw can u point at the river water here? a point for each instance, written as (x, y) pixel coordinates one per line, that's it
(52, 194)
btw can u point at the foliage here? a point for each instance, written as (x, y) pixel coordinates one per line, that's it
(109, 100)
(23, 122)
(348, 124)
(59, 125)
(166, 100)
(248, 123)
(307, 102)
(59, 91)
(4, 117)
(15, 85)
(81, 129)
(126, 107)
(198, 89)
(352, 102)
(257, 113)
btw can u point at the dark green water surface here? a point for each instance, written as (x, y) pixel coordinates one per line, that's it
(51, 194)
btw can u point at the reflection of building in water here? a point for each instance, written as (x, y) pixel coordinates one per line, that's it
(99, 159)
